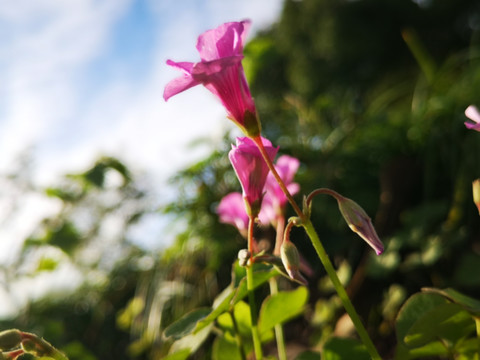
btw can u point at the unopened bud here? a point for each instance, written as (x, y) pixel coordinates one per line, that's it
(243, 257)
(10, 339)
(291, 261)
(476, 193)
(358, 220)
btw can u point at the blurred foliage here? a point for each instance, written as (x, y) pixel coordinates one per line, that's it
(369, 95)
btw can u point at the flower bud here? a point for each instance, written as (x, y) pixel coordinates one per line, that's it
(476, 193)
(243, 257)
(291, 261)
(358, 220)
(10, 339)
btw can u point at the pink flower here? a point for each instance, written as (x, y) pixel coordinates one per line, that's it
(251, 170)
(232, 211)
(220, 71)
(472, 113)
(274, 200)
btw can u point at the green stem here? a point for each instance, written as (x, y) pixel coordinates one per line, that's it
(281, 348)
(257, 344)
(327, 264)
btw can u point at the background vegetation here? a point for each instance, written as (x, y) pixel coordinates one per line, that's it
(370, 96)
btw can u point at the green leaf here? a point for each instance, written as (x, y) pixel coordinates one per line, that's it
(446, 321)
(47, 264)
(344, 349)
(468, 349)
(221, 305)
(192, 341)
(470, 304)
(232, 295)
(414, 308)
(281, 307)
(178, 355)
(185, 325)
(225, 350)
(241, 311)
(432, 349)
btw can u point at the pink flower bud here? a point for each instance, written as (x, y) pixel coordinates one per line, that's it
(358, 220)
(291, 261)
(251, 170)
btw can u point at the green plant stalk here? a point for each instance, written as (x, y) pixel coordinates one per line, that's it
(279, 336)
(342, 293)
(257, 344)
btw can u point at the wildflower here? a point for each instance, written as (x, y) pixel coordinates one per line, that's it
(358, 220)
(472, 113)
(251, 170)
(220, 71)
(275, 199)
(232, 211)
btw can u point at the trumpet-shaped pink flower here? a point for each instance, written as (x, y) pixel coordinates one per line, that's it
(220, 71)
(274, 200)
(473, 114)
(232, 211)
(251, 170)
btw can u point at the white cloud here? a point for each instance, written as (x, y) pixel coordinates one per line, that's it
(50, 44)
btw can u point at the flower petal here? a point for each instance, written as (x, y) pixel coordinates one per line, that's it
(232, 211)
(226, 40)
(251, 170)
(472, 113)
(181, 83)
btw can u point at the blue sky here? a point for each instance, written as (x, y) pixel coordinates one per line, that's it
(84, 78)
(79, 76)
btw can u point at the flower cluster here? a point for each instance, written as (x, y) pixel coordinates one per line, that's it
(266, 187)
